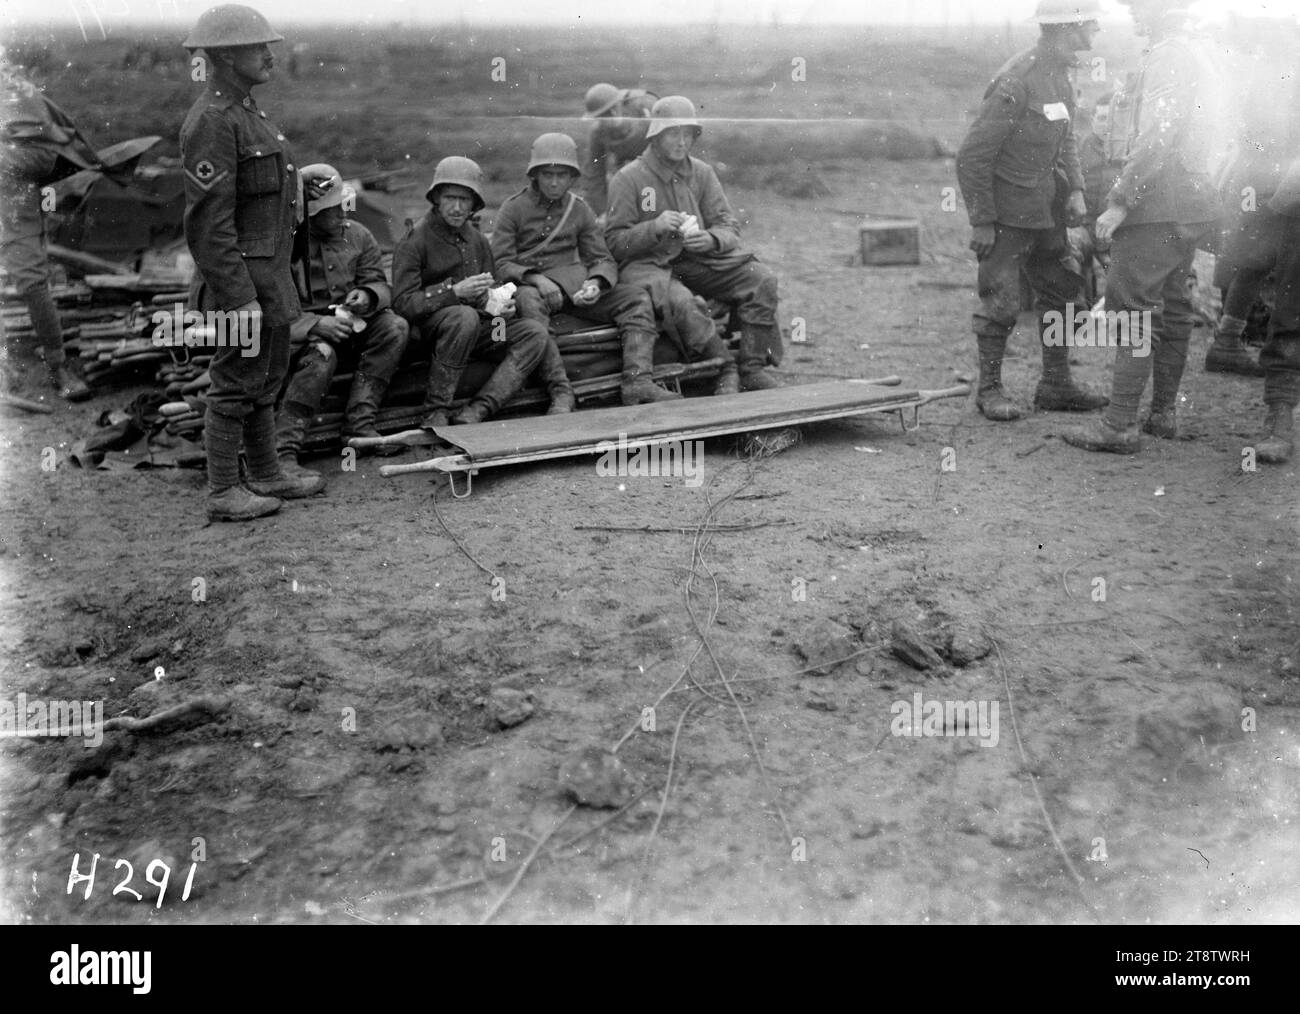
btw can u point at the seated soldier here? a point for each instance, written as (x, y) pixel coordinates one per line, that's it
(345, 269)
(442, 270)
(668, 213)
(546, 240)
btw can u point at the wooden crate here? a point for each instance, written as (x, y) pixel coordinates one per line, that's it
(891, 241)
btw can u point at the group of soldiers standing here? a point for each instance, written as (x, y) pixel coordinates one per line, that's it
(1164, 167)
(653, 236)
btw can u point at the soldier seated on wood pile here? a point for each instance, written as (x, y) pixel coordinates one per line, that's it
(344, 268)
(442, 271)
(672, 230)
(547, 242)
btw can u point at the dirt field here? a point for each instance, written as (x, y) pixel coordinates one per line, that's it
(353, 769)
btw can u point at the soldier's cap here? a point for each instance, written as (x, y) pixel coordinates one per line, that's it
(336, 194)
(230, 25)
(601, 98)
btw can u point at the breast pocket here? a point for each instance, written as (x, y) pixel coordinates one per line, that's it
(1041, 137)
(260, 171)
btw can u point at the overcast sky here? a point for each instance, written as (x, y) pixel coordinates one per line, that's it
(181, 13)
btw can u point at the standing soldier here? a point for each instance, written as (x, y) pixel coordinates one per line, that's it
(1167, 129)
(1281, 356)
(546, 240)
(243, 202)
(622, 118)
(41, 144)
(442, 271)
(1018, 151)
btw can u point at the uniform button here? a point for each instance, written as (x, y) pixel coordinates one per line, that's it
(290, 167)
(257, 153)
(247, 103)
(279, 137)
(261, 114)
(217, 94)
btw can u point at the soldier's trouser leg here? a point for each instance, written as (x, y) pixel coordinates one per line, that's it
(1281, 355)
(241, 386)
(525, 345)
(630, 307)
(998, 283)
(452, 333)
(1058, 296)
(383, 343)
(697, 334)
(312, 365)
(1147, 282)
(530, 305)
(752, 287)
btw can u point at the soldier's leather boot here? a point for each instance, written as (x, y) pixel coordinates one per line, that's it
(363, 407)
(638, 366)
(70, 382)
(290, 428)
(1277, 443)
(266, 477)
(1227, 355)
(238, 504)
(1099, 435)
(440, 394)
(990, 399)
(754, 342)
(1162, 422)
(505, 381)
(556, 380)
(1057, 392)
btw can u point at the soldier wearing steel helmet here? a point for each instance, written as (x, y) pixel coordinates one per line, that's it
(1168, 129)
(244, 199)
(622, 117)
(442, 271)
(1017, 153)
(547, 241)
(672, 230)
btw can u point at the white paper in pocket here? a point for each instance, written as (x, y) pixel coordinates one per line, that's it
(1056, 111)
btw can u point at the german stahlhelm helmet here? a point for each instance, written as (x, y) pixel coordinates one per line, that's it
(554, 149)
(1067, 12)
(672, 111)
(461, 171)
(230, 25)
(601, 98)
(336, 195)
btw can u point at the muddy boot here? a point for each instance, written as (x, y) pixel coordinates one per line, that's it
(362, 409)
(70, 382)
(1162, 422)
(638, 366)
(265, 475)
(1098, 435)
(440, 394)
(1057, 392)
(1277, 443)
(238, 504)
(556, 380)
(990, 399)
(1226, 353)
(289, 431)
(505, 381)
(754, 342)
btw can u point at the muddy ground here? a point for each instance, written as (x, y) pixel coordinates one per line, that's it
(354, 771)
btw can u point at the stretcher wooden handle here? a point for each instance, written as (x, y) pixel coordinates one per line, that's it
(428, 465)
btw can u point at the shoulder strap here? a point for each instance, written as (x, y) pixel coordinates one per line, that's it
(568, 210)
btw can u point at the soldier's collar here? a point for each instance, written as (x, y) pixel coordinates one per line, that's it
(542, 200)
(441, 228)
(226, 86)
